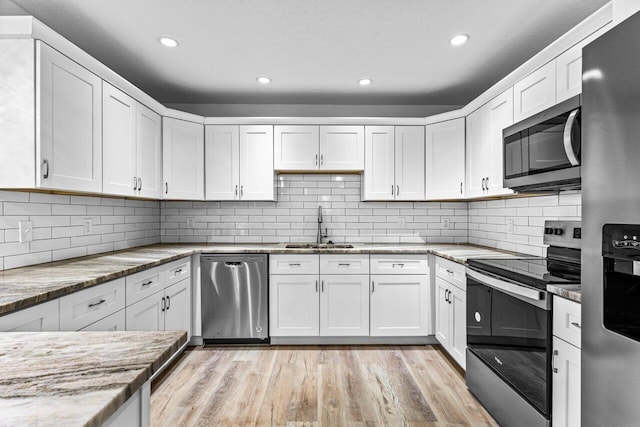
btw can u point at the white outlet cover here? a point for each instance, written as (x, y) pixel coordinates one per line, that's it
(26, 231)
(446, 223)
(87, 225)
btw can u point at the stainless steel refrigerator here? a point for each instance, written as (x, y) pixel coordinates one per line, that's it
(611, 228)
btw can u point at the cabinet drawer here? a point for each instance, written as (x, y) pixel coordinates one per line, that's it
(399, 264)
(567, 320)
(177, 270)
(144, 283)
(39, 318)
(452, 272)
(294, 264)
(83, 308)
(344, 264)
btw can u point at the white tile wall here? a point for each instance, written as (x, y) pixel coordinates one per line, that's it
(58, 231)
(489, 220)
(293, 218)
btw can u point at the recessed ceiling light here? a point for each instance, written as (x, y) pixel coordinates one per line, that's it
(365, 82)
(264, 80)
(459, 39)
(168, 41)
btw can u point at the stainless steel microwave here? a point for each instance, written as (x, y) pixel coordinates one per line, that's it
(542, 153)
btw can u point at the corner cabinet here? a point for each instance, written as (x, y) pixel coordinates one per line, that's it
(182, 159)
(484, 159)
(445, 146)
(239, 162)
(394, 163)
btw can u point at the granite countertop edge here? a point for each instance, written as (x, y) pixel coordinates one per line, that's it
(145, 257)
(570, 292)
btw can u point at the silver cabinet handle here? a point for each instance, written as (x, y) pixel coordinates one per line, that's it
(397, 190)
(343, 265)
(163, 304)
(102, 301)
(568, 148)
(460, 188)
(236, 191)
(139, 184)
(321, 159)
(446, 296)
(392, 190)
(168, 302)
(553, 361)
(315, 162)
(373, 286)
(242, 191)
(486, 182)
(147, 283)
(316, 286)
(450, 272)
(135, 183)
(322, 285)
(483, 187)
(577, 325)
(294, 265)
(166, 188)
(178, 271)
(45, 163)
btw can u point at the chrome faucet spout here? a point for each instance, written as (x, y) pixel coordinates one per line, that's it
(319, 235)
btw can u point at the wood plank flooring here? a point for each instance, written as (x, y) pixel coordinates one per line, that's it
(314, 386)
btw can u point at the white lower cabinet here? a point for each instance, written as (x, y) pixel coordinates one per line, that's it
(344, 305)
(399, 305)
(566, 363)
(147, 314)
(177, 314)
(451, 310)
(81, 309)
(113, 322)
(293, 305)
(40, 318)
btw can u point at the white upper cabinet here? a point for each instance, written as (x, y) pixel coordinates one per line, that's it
(379, 178)
(536, 92)
(183, 159)
(69, 132)
(296, 148)
(484, 146)
(409, 162)
(569, 73)
(342, 148)
(445, 160)
(132, 149)
(239, 163)
(312, 148)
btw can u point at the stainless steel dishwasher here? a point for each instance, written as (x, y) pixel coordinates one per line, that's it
(234, 298)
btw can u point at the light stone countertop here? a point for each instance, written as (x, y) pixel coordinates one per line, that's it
(76, 378)
(27, 286)
(572, 292)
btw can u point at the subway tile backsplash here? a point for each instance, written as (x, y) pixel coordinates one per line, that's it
(293, 218)
(513, 224)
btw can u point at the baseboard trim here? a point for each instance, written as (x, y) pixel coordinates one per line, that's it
(422, 340)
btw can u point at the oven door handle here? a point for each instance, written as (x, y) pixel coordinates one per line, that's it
(568, 147)
(505, 286)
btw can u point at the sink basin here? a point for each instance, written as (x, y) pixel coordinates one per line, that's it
(316, 246)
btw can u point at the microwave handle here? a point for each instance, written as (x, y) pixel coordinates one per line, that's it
(568, 147)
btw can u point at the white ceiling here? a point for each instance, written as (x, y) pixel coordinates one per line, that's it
(315, 51)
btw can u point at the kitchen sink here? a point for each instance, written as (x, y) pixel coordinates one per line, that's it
(318, 246)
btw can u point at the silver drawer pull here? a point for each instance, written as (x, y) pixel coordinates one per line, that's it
(178, 271)
(400, 265)
(576, 324)
(294, 265)
(450, 272)
(147, 283)
(97, 303)
(344, 265)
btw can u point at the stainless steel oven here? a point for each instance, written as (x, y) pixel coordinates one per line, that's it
(543, 151)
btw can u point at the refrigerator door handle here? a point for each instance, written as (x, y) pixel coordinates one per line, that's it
(568, 147)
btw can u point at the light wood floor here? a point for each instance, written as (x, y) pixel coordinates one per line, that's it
(314, 386)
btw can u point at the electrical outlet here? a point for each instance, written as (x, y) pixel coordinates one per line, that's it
(190, 222)
(401, 221)
(446, 223)
(510, 226)
(26, 231)
(87, 225)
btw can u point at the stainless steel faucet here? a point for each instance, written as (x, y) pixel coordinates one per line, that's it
(320, 236)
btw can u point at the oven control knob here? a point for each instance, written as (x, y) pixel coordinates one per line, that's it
(478, 317)
(558, 231)
(548, 230)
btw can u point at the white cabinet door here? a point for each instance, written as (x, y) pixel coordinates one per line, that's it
(342, 148)
(39, 318)
(344, 305)
(296, 148)
(443, 313)
(256, 163)
(69, 132)
(147, 314)
(500, 111)
(177, 314)
(569, 73)
(222, 163)
(114, 322)
(399, 305)
(119, 142)
(149, 152)
(566, 384)
(409, 162)
(535, 92)
(458, 330)
(445, 160)
(183, 159)
(478, 152)
(379, 175)
(294, 307)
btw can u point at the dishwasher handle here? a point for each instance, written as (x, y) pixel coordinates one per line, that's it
(233, 264)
